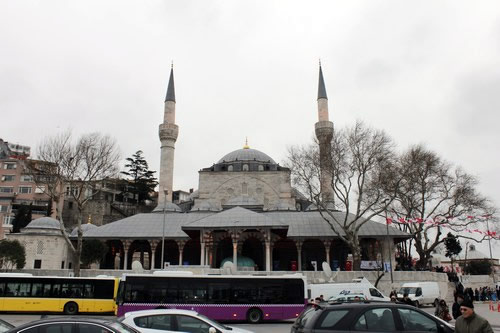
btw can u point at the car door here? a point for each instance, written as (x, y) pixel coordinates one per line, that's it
(377, 319)
(415, 321)
(190, 324)
(160, 323)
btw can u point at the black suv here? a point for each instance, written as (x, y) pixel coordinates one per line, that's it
(367, 317)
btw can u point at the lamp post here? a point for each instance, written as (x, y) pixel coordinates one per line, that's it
(162, 265)
(491, 255)
(389, 250)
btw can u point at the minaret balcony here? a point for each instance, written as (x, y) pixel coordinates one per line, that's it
(323, 128)
(168, 131)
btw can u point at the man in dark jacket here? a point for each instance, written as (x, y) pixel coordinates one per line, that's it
(455, 309)
(470, 322)
(407, 300)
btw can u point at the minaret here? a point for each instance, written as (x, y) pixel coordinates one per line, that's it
(168, 132)
(324, 133)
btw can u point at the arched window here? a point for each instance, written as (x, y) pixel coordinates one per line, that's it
(245, 167)
(261, 167)
(230, 168)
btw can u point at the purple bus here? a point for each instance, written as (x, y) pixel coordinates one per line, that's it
(219, 297)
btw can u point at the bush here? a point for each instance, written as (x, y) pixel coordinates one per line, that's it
(12, 255)
(478, 267)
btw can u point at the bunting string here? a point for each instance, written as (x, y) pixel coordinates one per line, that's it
(447, 222)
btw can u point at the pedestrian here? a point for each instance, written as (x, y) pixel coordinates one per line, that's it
(455, 309)
(407, 300)
(393, 299)
(476, 294)
(442, 311)
(321, 298)
(470, 321)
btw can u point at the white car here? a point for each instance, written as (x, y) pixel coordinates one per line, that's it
(174, 320)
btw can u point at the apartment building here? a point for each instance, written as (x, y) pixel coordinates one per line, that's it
(17, 186)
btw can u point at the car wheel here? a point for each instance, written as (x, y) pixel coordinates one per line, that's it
(71, 308)
(417, 304)
(254, 316)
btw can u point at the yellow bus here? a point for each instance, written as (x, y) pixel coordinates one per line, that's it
(69, 295)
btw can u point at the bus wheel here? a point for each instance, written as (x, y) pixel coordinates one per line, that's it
(254, 316)
(71, 308)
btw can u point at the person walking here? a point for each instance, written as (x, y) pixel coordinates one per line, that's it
(442, 311)
(455, 308)
(471, 322)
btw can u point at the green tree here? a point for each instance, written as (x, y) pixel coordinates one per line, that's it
(453, 247)
(93, 250)
(478, 267)
(22, 218)
(12, 255)
(141, 180)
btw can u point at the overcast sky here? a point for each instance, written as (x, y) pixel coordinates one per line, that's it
(426, 72)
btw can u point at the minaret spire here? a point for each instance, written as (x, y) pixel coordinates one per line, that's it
(168, 132)
(324, 133)
(171, 89)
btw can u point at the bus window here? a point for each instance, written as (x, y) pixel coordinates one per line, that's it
(37, 290)
(219, 293)
(18, 289)
(88, 291)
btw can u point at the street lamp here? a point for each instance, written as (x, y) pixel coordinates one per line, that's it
(491, 255)
(165, 193)
(385, 202)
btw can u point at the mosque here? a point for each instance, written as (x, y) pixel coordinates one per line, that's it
(245, 210)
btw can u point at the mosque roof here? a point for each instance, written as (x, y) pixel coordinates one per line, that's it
(44, 223)
(236, 217)
(148, 225)
(299, 224)
(246, 154)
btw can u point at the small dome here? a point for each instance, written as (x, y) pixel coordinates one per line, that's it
(246, 154)
(241, 261)
(44, 223)
(85, 227)
(169, 207)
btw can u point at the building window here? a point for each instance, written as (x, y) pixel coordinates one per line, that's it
(3, 209)
(25, 189)
(40, 189)
(230, 168)
(245, 167)
(37, 264)
(7, 220)
(8, 178)
(62, 265)
(26, 178)
(39, 247)
(9, 166)
(6, 189)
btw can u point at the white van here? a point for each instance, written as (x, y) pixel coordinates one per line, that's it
(421, 292)
(336, 290)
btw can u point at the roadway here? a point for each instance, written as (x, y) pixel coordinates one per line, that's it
(281, 327)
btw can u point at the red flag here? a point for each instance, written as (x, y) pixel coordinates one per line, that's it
(388, 220)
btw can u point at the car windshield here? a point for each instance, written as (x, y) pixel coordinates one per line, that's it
(120, 327)
(407, 290)
(4, 326)
(214, 323)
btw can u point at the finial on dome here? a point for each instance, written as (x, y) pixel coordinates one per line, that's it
(246, 146)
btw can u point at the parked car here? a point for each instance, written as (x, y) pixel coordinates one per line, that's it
(421, 292)
(73, 325)
(5, 326)
(368, 317)
(348, 298)
(356, 286)
(175, 320)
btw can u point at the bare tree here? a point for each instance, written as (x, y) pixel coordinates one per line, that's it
(364, 179)
(433, 195)
(64, 169)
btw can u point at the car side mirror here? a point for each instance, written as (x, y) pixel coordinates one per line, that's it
(212, 330)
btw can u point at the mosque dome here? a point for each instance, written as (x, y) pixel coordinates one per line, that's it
(241, 261)
(44, 223)
(246, 154)
(85, 227)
